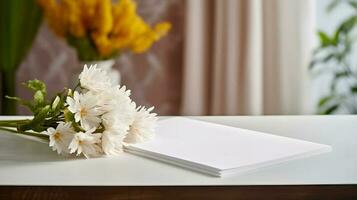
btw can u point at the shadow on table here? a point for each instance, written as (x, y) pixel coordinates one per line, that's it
(15, 148)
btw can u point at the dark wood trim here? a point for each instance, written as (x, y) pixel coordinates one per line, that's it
(345, 192)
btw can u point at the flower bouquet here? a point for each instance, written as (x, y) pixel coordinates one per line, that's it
(101, 29)
(92, 119)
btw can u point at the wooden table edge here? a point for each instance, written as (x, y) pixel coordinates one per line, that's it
(348, 191)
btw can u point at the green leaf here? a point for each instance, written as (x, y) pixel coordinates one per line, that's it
(341, 74)
(354, 89)
(336, 37)
(337, 76)
(324, 39)
(36, 124)
(42, 114)
(330, 109)
(313, 63)
(347, 25)
(328, 57)
(39, 98)
(22, 102)
(317, 61)
(331, 6)
(36, 85)
(353, 4)
(19, 22)
(325, 100)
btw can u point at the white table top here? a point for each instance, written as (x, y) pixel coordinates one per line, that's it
(27, 162)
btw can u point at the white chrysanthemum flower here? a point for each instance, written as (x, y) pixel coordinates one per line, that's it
(86, 143)
(94, 79)
(85, 109)
(118, 107)
(113, 97)
(143, 127)
(112, 139)
(116, 124)
(60, 137)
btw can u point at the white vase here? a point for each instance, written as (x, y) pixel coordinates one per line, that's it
(107, 65)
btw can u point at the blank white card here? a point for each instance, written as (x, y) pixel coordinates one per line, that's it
(218, 149)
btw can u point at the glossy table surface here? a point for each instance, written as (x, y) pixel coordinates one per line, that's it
(28, 162)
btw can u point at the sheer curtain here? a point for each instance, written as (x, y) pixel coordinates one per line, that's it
(247, 57)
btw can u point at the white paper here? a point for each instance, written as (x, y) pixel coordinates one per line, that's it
(217, 149)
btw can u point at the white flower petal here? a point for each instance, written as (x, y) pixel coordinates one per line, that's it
(60, 137)
(85, 108)
(86, 143)
(143, 127)
(94, 79)
(112, 141)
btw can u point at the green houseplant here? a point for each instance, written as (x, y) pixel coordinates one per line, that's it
(20, 20)
(334, 56)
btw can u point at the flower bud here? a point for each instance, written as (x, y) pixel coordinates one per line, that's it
(69, 93)
(55, 102)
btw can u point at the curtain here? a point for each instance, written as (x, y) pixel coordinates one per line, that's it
(247, 57)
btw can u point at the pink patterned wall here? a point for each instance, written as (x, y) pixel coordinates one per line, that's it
(153, 77)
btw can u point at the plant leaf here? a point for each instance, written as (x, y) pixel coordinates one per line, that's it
(38, 98)
(353, 4)
(36, 124)
(347, 25)
(36, 85)
(317, 61)
(324, 100)
(22, 102)
(324, 39)
(336, 37)
(354, 89)
(332, 5)
(19, 22)
(330, 109)
(341, 74)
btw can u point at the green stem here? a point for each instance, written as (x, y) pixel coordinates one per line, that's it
(16, 120)
(8, 81)
(12, 123)
(8, 124)
(38, 135)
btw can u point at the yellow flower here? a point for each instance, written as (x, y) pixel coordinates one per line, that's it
(73, 17)
(103, 21)
(103, 43)
(112, 27)
(88, 12)
(144, 41)
(130, 31)
(161, 29)
(52, 12)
